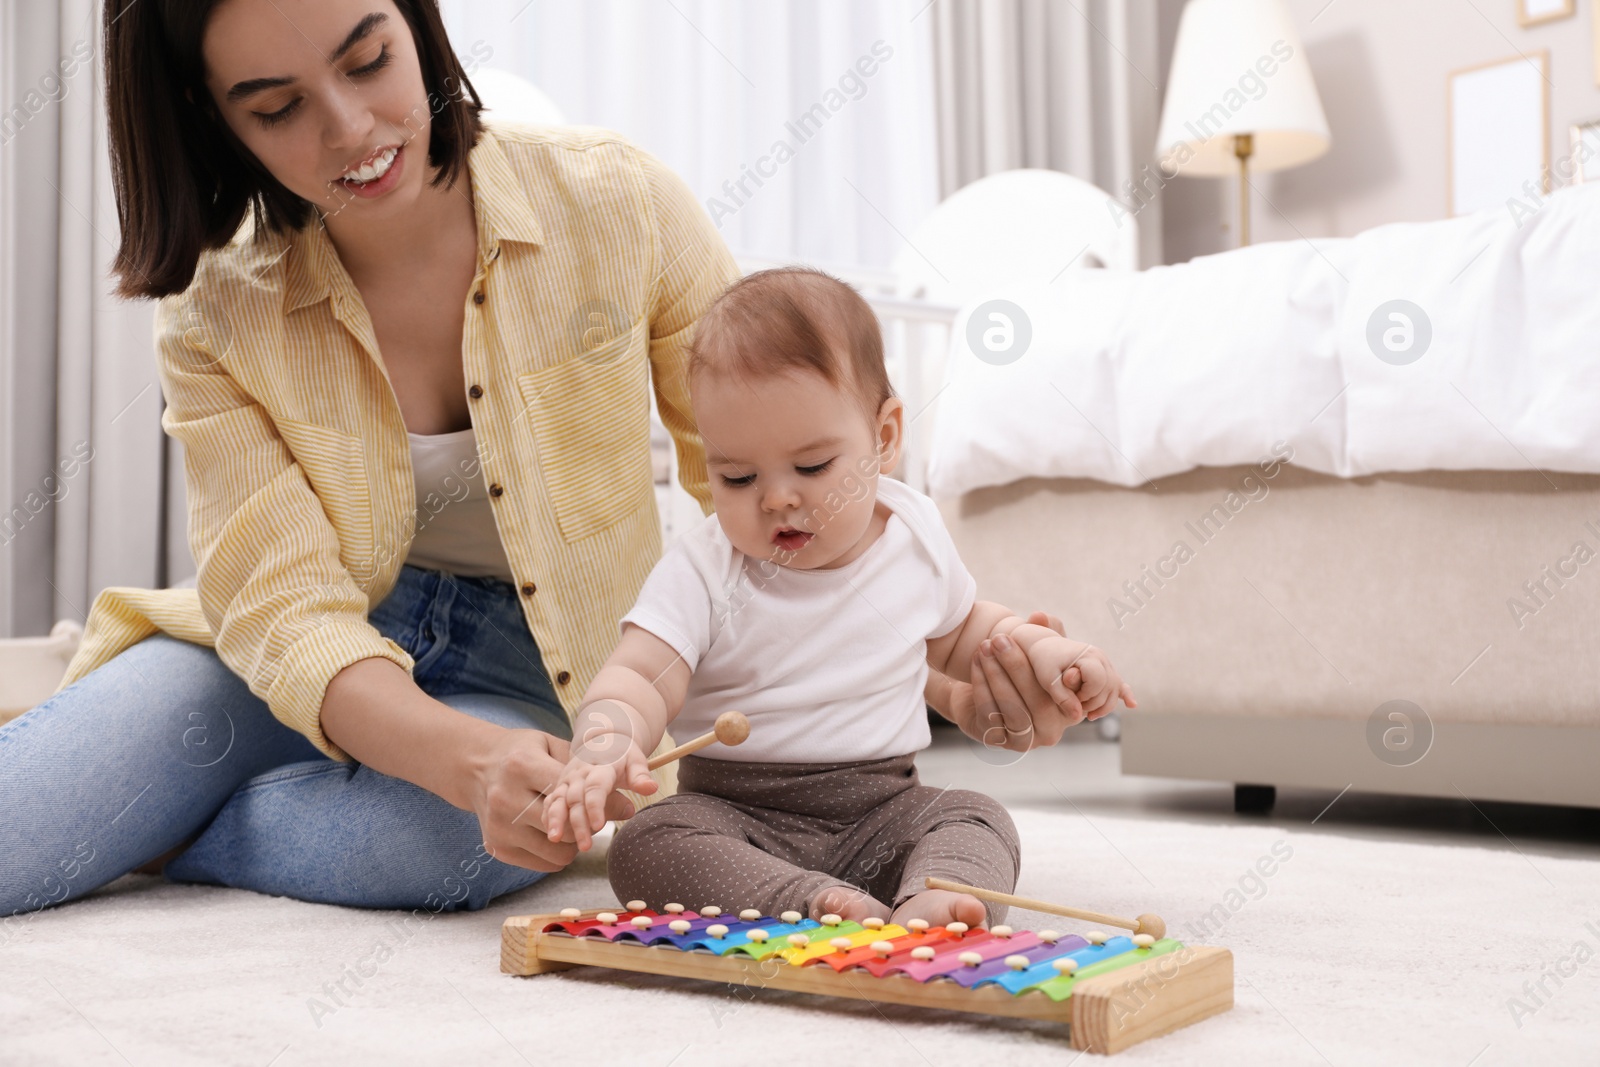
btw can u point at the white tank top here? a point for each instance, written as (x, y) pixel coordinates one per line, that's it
(455, 522)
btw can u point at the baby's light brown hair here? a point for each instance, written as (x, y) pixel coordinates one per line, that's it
(794, 319)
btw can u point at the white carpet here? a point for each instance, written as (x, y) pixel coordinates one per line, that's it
(1351, 952)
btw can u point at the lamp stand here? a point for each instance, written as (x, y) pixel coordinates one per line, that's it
(1243, 147)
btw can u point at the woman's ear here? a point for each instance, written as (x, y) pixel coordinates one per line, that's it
(890, 433)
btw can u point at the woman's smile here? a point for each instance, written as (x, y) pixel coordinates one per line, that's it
(376, 175)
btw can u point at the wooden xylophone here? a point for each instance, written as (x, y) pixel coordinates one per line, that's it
(1111, 991)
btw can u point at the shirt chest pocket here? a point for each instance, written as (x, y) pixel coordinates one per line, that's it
(335, 464)
(591, 421)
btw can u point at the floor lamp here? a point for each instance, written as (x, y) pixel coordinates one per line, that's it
(1239, 96)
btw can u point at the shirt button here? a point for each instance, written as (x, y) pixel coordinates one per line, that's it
(564, 677)
(528, 589)
(475, 392)
(477, 298)
(495, 489)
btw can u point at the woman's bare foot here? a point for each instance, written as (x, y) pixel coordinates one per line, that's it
(941, 906)
(849, 903)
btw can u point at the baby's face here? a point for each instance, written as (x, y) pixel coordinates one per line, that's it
(794, 464)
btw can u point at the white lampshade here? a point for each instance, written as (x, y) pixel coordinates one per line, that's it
(1238, 67)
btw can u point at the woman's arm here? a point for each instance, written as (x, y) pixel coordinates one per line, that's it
(375, 712)
(284, 612)
(692, 267)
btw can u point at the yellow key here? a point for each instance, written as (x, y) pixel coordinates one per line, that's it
(818, 949)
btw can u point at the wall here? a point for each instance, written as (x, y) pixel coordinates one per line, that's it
(1381, 68)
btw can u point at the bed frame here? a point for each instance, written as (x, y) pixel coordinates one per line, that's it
(1336, 633)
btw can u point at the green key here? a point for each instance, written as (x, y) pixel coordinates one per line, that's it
(1060, 987)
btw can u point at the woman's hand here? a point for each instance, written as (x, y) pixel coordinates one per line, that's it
(1007, 697)
(514, 778)
(1005, 706)
(375, 712)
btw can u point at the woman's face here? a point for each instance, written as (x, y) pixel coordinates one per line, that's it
(329, 96)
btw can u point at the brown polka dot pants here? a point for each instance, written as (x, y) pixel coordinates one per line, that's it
(771, 836)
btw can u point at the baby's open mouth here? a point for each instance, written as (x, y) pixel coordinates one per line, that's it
(791, 539)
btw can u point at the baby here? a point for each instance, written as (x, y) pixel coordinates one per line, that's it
(815, 601)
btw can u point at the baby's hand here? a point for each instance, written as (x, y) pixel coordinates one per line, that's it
(1062, 665)
(576, 803)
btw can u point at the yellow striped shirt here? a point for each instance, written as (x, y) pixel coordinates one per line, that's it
(595, 262)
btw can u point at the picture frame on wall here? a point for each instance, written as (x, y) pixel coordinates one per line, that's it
(1535, 12)
(1497, 128)
(1586, 151)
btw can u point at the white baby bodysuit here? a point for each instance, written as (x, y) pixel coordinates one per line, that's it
(828, 665)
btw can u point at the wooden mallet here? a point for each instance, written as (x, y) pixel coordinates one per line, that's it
(1153, 925)
(731, 729)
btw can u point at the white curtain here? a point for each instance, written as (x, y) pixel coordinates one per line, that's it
(81, 448)
(1068, 85)
(714, 86)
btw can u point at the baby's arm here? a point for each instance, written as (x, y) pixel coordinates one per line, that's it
(952, 654)
(624, 712)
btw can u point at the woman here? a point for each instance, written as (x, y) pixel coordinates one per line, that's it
(363, 286)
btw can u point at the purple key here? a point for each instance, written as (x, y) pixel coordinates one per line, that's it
(1039, 952)
(948, 963)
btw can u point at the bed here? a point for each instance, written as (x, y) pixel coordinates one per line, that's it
(1334, 633)
(1386, 578)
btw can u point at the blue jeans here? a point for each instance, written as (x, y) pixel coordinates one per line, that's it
(164, 742)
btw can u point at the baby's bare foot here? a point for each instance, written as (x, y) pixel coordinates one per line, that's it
(849, 903)
(940, 906)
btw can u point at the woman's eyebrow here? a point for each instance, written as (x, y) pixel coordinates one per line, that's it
(362, 30)
(243, 89)
(355, 36)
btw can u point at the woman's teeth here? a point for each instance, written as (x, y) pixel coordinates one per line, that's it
(369, 172)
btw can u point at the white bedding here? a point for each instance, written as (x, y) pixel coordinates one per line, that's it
(1131, 376)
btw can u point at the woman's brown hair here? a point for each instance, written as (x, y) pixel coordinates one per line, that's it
(182, 179)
